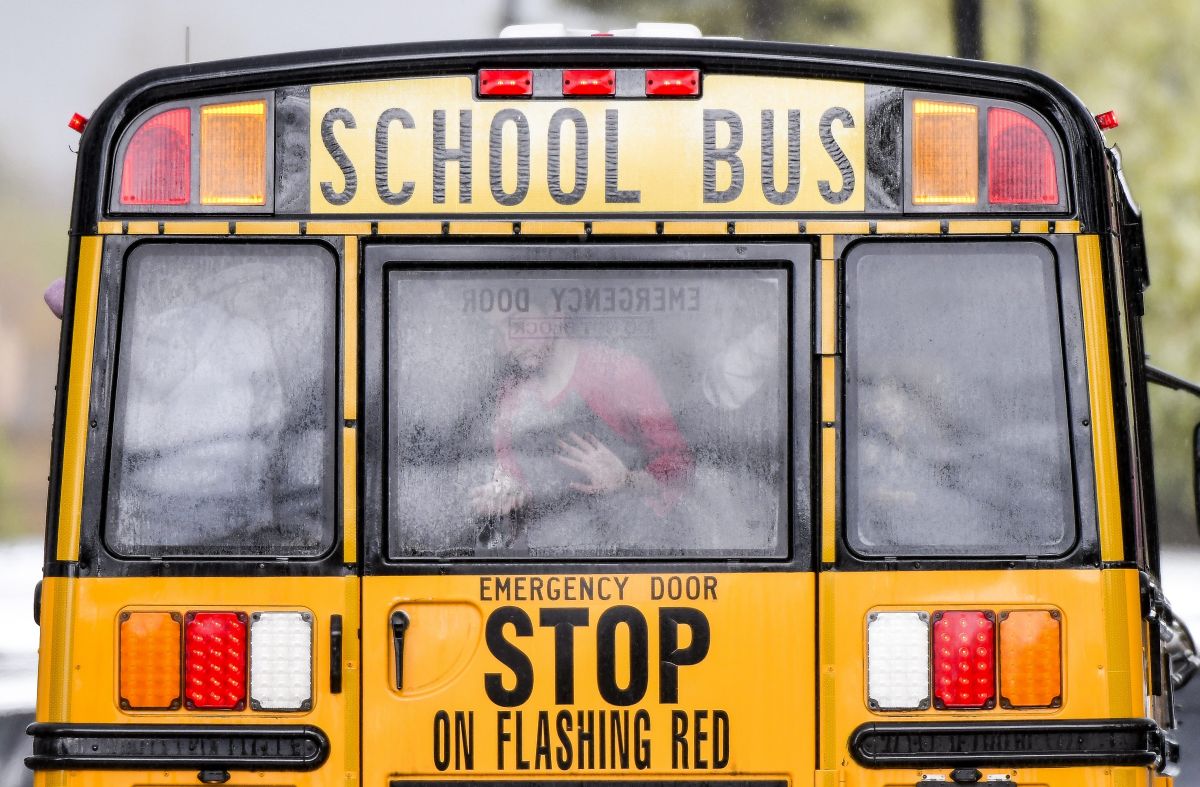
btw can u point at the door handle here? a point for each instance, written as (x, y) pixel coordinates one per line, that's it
(399, 626)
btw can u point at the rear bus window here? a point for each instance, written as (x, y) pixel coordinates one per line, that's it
(956, 409)
(223, 418)
(587, 414)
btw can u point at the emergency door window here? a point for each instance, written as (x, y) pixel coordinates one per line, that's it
(223, 418)
(587, 414)
(956, 410)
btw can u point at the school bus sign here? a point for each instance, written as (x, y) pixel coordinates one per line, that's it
(428, 145)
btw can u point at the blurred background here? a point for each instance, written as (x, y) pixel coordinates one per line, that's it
(63, 57)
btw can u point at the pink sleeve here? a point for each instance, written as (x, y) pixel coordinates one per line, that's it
(624, 393)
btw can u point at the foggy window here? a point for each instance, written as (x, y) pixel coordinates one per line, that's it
(222, 422)
(585, 413)
(956, 412)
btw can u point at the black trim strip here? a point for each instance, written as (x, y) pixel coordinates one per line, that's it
(1009, 744)
(176, 747)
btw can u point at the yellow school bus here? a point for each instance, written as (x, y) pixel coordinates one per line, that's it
(596, 411)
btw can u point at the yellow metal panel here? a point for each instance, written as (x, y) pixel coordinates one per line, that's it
(837, 227)
(1123, 643)
(1029, 227)
(767, 228)
(481, 228)
(827, 665)
(449, 652)
(659, 159)
(828, 494)
(195, 227)
(552, 228)
(350, 495)
(143, 228)
(930, 227)
(827, 252)
(56, 649)
(350, 329)
(624, 228)
(1104, 443)
(108, 228)
(1067, 227)
(829, 322)
(410, 228)
(352, 680)
(695, 228)
(79, 392)
(338, 228)
(267, 228)
(980, 227)
(829, 383)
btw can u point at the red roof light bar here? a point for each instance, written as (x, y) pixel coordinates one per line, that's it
(589, 82)
(673, 82)
(505, 82)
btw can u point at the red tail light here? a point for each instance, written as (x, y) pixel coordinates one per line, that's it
(666, 82)
(158, 161)
(1021, 166)
(964, 659)
(215, 661)
(501, 82)
(581, 82)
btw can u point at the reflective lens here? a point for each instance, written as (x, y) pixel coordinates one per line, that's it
(158, 161)
(215, 665)
(150, 661)
(1021, 167)
(945, 153)
(233, 153)
(1030, 659)
(898, 661)
(280, 661)
(964, 659)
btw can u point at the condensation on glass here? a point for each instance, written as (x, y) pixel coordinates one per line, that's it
(223, 421)
(956, 410)
(587, 413)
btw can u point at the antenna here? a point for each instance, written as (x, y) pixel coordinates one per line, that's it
(187, 44)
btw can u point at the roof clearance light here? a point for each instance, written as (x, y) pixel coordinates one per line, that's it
(583, 82)
(499, 82)
(150, 661)
(233, 153)
(1030, 659)
(898, 661)
(964, 660)
(1021, 167)
(1107, 120)
(667, 82)
(945, 157)
(215, 660)
(158, 161)
(281, 661)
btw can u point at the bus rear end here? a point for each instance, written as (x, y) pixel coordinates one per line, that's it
(600, 411)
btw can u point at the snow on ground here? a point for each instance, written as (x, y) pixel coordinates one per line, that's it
(20, 570)
(1181, 584)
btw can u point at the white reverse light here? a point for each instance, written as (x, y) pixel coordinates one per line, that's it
(898, 660)
(280, 661)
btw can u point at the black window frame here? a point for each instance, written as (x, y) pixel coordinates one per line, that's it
(95, 557)
(1085, 549)
(381, 255)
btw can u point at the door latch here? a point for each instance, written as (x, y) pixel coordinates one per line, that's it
(399, 626)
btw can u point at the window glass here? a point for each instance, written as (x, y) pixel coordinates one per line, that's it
(956, 411)
(222, 422)
(586, 413)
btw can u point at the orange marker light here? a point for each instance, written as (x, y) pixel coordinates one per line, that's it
(233, 153)
(1030, 659)
(150, 661)
(945, 147)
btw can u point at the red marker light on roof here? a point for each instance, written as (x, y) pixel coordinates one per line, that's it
(582, 82)
(505, 82)
(668, 82)
(77, 122)
(1107, 120)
